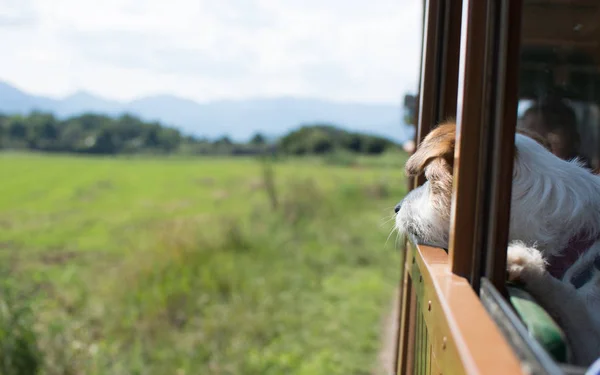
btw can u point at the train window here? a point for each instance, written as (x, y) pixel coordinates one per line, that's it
(558, 97)
(559, 92)
(559, 84)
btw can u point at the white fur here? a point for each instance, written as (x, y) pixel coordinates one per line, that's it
(524, 262)
(421, 219)
(552, 201)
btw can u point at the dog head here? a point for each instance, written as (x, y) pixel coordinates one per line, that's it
(424, 214)
(538, 176)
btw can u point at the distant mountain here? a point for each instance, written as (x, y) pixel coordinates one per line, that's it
(239, 119)
(13, 100)
(82, 101)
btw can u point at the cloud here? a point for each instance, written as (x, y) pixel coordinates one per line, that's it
(214, 49)
(17, 13)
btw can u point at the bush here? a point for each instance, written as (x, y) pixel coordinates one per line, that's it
(325, 139)
(19, 352)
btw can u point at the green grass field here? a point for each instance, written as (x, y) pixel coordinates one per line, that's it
(195, 266)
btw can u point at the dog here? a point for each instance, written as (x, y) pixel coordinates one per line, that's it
(554, 232)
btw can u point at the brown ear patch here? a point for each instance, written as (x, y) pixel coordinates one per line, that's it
(439, 143)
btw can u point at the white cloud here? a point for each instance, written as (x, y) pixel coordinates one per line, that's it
(213, 49)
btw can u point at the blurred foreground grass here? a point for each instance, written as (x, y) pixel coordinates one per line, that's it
(195, 266)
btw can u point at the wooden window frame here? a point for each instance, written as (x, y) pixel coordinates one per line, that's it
(439, 66)
(486, 122)
(477, 86)
(438, 83)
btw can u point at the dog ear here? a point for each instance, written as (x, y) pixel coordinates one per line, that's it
(439, 143)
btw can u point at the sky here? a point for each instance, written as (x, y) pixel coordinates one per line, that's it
(344, 50)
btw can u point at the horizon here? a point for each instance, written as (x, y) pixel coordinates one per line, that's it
(238, 119)
(209, 101)
(347, 52)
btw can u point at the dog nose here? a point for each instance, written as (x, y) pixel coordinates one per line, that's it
(397, 208)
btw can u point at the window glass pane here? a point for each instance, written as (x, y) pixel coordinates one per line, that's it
(559, 87)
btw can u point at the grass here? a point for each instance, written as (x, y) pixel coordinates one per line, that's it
(196, 266)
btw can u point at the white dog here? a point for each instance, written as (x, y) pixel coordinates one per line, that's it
(554, 235)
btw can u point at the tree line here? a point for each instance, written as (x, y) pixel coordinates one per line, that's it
(127, 134)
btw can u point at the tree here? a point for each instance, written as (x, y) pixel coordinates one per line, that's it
(151, 137)
(376, 145)
(355, 143)
(223, 141)
(95, 133)
(320, 142)
(104, 143)
(72, 136)
(42, 131)
(17, 128)
(169, 139)
(258, 140)
(3, 130)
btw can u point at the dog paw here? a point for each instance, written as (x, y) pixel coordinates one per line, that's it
(524, 263)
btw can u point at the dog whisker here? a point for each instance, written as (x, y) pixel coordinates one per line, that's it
(389, 235)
